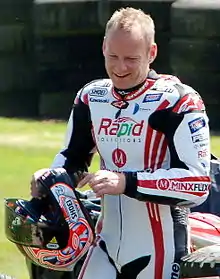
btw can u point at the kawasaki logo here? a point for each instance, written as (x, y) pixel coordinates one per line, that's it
(124, 126)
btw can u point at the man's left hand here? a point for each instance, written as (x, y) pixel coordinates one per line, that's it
(104, 182)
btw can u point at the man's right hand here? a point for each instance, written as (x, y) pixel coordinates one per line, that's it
(35, 193)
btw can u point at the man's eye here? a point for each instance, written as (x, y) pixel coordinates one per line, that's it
(113, 56)
(132, 58)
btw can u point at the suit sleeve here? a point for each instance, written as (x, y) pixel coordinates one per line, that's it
(187, 181)
(78, 149)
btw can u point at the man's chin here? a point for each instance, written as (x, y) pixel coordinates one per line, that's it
(122, 87)
(121, 84)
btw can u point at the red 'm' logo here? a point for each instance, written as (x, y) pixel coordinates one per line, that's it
(163, 184)
(119, 157)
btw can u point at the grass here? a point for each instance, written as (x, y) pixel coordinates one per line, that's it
(25, 147)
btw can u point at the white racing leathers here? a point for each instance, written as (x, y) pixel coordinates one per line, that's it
(157, 134)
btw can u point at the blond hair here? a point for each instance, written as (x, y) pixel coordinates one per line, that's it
(128, 18)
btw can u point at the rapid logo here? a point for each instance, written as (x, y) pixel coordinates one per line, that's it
(196, 124)
(124, 126)
(98, 92)
(203, 153)
(152, 97)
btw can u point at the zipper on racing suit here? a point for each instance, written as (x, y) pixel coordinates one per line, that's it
(120, 229)
(119, 200)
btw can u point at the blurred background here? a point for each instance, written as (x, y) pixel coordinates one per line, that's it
(50, 48)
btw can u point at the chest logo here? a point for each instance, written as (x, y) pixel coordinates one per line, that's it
(119, 157)
(124, 126)
(98, 92)
(120, 104)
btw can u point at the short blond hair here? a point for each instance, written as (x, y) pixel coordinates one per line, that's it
(128, 18)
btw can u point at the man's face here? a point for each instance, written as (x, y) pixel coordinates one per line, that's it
(126, 57)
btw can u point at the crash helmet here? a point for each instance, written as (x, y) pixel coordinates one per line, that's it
(53, 230)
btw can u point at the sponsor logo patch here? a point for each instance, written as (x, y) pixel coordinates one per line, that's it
(72, 210)
(98, 92)
(120, 104)
(138, 108)
(203, 153)
(124, 126)
(152, 97)
(180, 186)
(97, 100)
(119, 157)
(196, 124)
(201, 145)
(199, 138)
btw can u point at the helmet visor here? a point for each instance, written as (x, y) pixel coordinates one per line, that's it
(21, 228)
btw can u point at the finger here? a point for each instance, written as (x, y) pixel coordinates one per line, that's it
(33, 189)
(101, 192)
(100, 189)
(97, 181)
(97, 187)
(85, 180)
(39, 173)
(81, 175)
(84, 174)
(34, 193)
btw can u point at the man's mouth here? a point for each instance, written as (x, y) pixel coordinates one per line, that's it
(121, 76)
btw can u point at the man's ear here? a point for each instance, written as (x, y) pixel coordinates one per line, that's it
(104, 46)
(152, 53)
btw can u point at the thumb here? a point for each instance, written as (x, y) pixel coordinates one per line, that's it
(87, 177)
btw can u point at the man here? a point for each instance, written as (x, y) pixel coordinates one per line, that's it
(152, 135)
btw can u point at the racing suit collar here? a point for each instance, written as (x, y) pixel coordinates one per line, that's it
(122, 92)
(136, 91)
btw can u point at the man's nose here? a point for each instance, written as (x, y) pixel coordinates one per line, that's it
(121, 66)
